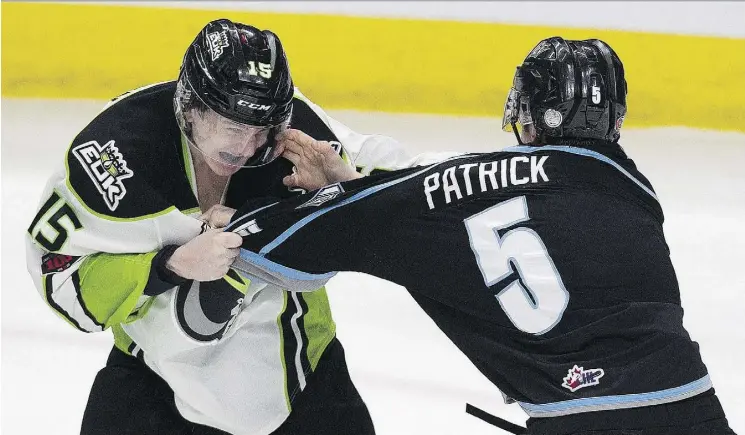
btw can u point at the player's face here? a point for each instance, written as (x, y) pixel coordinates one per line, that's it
(226, 144)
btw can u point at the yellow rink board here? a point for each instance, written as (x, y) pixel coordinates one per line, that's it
(395, 65)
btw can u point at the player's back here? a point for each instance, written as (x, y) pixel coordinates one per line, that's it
(554, 277)
(547, 266)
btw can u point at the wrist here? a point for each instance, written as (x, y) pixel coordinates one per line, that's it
(160, 279)
(355, 176)
(167, 265)
(347, 174)
(352, 175)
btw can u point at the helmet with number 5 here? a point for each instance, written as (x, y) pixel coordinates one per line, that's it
(567, 90)
(234, 93)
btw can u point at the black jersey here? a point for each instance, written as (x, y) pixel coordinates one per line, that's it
(547, 266)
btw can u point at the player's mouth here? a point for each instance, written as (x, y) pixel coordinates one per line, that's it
(232, 159)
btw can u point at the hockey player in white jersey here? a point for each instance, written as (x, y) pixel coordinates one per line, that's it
(123, 240)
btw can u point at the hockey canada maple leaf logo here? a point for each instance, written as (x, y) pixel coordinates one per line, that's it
(578, 378)
(106, 167)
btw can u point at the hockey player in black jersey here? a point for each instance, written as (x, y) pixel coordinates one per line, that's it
(121, 240)
(544, 263)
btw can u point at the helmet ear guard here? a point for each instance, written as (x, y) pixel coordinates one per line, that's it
(267, 153)
(517, 115)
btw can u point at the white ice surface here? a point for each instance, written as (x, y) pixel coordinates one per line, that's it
(412, 378)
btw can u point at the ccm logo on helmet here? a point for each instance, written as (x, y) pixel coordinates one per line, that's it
(244, 103)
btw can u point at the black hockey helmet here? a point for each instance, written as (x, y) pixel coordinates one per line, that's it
(242, 74)
(568, 89)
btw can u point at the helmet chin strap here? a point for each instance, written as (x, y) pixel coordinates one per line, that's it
(517, 135)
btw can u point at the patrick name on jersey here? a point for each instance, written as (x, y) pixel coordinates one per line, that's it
(457, 182)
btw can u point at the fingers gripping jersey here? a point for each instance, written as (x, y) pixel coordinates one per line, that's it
(125, 190)
(546, 266)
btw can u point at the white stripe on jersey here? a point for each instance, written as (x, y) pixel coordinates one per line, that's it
(299, 339)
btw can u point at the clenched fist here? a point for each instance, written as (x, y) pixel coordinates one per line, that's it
(206, 257)
(317, 164)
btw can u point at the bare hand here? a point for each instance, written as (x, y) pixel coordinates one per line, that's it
(206, 257)
(218, 216)
(317, 164)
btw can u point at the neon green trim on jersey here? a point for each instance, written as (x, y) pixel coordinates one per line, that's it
(188, 165)
(192, 211)
(282, 349)
(122, 341)
(105, 216)
(111, 285)
(363, 169)
(241, 286)
(140, 313)
(318, 324)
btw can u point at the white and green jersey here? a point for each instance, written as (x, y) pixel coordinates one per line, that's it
(235, 352)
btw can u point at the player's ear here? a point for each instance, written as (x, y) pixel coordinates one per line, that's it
(528, 134)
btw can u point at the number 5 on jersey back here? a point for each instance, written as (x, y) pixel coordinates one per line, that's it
(536, 304)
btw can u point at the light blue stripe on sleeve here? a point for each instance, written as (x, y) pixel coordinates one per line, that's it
(285, 271)
(582, 152)
(356, 197)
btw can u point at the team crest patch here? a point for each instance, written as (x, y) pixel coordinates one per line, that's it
(326, 194)
(107, 168)
(553, 118)
(217, 41)
(578, 378)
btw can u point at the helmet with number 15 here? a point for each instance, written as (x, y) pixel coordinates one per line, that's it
(234, 95)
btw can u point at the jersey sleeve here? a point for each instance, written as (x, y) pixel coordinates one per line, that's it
(372, 153)
(369, 225)
(91, 264)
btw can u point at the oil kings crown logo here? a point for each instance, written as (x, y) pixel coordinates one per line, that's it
(217, 41)
(578, 378)
(107, 168)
